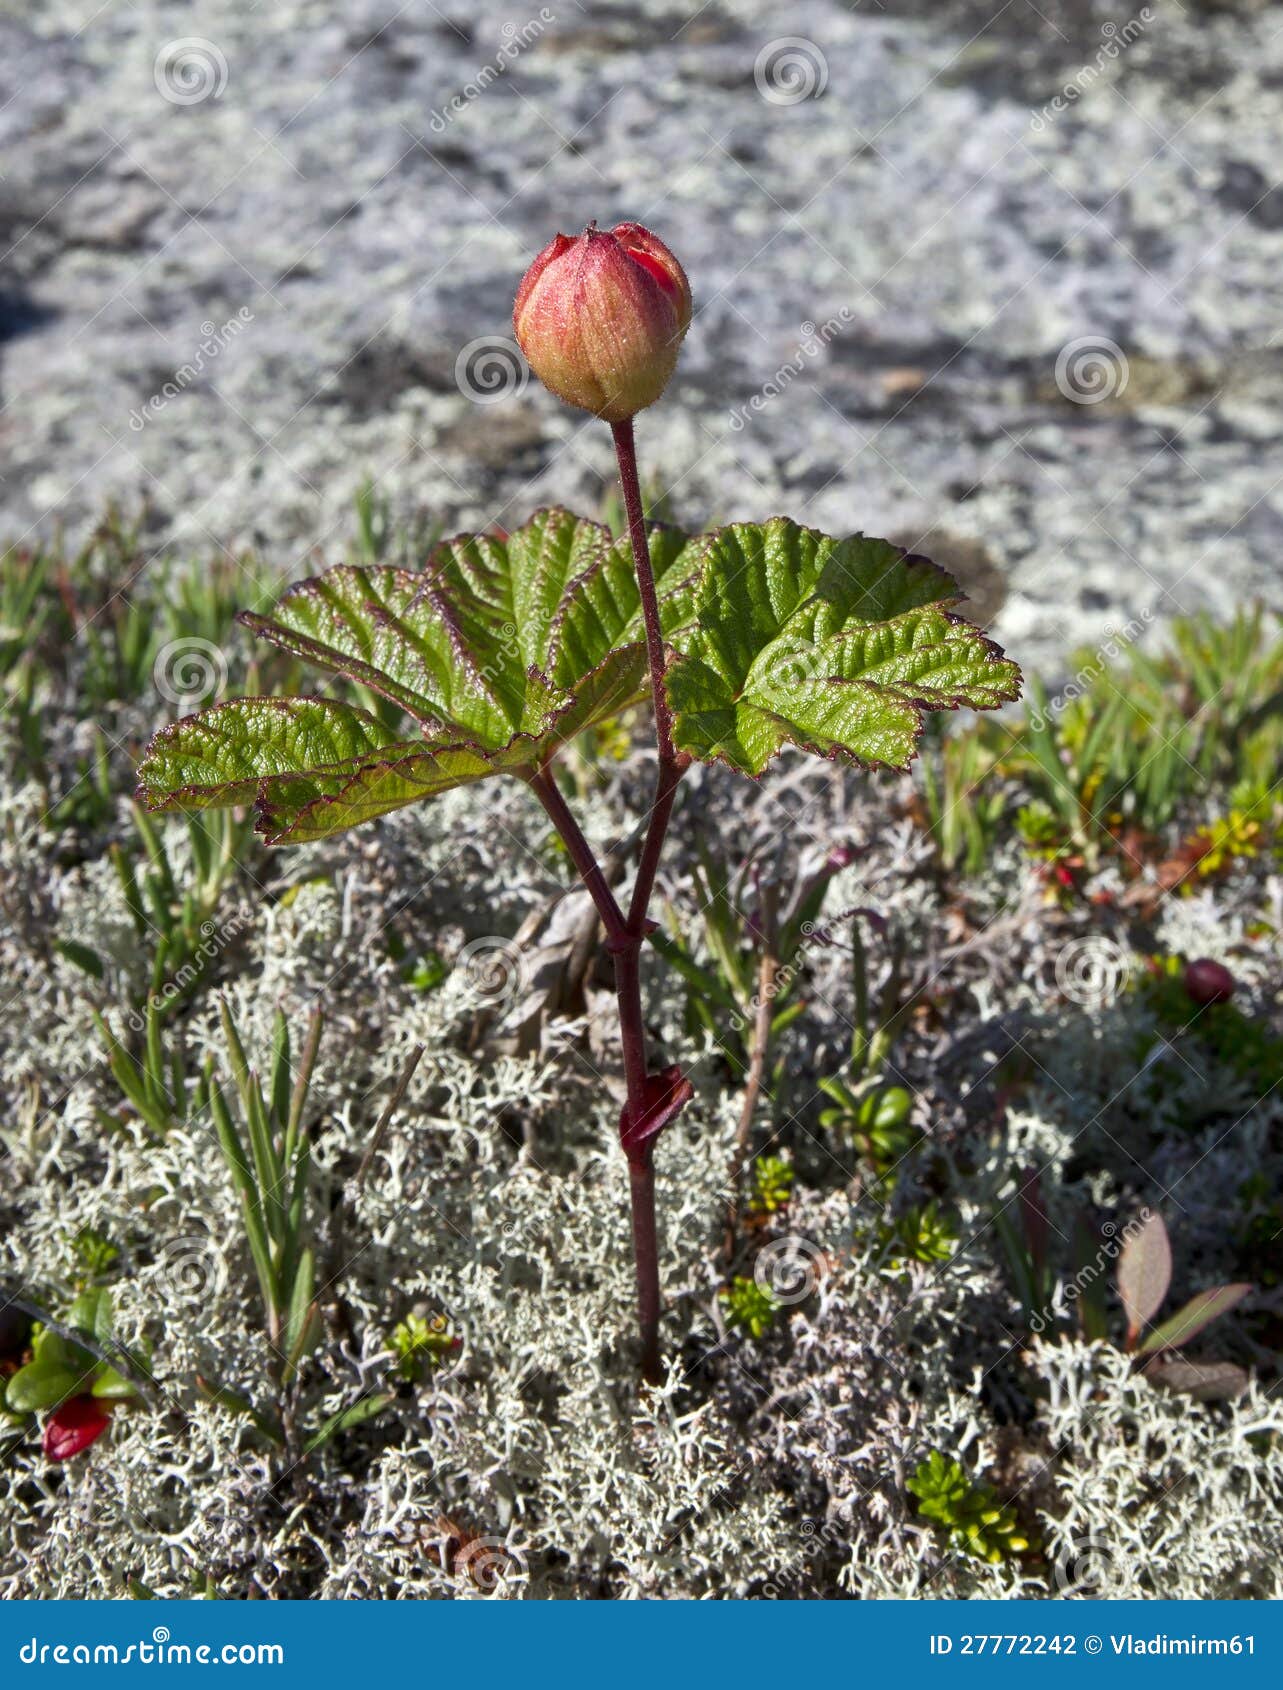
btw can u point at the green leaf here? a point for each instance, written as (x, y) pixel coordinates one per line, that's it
(355, 1414)
(302, 1323)
(836, 647)
(499, 649)
(224, 1397)
(503, 647)
(1188, 1322)
(495, 637)
(305, 807)
(231, 752)
(82, 957)
(112, 1385)
(91, 1314)
(41, 1385)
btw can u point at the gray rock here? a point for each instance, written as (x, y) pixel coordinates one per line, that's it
(886, 272)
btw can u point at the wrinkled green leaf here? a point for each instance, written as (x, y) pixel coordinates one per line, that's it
(836, 647)
(501, 648)
(494, 637)
(226, 754)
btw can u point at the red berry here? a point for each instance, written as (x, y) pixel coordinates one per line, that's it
(1208, 982)
(73, 1427)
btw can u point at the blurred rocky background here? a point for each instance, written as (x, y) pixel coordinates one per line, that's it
(1001, 280)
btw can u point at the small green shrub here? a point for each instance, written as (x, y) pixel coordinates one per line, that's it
(966, 1509)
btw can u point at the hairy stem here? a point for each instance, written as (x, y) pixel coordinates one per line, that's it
(626, 454)
(582, 855)
(672, 765)
(641, 1177)
(626, 934)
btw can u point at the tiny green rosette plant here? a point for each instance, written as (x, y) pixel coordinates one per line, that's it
(752, 639)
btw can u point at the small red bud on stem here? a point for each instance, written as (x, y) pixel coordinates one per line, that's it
(601, 316)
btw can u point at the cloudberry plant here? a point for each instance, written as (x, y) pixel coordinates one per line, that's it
(750, 640)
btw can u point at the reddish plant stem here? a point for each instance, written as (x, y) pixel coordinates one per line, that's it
(641, 1180)
(672, 765)
(627, 934)
(632, 1027)
(626, 454)
(667, 781)
(581, 852)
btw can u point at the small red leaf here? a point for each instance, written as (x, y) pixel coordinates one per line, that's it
(73, 1427)
(667, 1094)
(1205, 1381)
(1144, 1272)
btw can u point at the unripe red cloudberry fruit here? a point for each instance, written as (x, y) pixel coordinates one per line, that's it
(1208, 982)
(601, 317)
